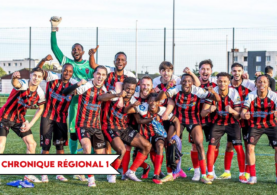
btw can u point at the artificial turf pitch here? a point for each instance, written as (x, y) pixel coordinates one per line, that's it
(265, 166)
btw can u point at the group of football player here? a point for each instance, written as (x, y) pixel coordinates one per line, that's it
(109, 108)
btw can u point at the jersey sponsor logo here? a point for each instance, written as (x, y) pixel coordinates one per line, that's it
(53, 72)
(93, 107)
(59, 97)
(87, 70)
(222, 113)
(117, 114)
(137, 89)
(261, 114)
(21, 101)
(142, 107)
(247, 98)
(185, 106)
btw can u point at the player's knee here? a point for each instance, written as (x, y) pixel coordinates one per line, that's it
(59, 147)
(250, 149)
(159, 149)
(46, 148)
(147, 146)
(122, 150)
(86, 148)
(229, 147)
(32, 145)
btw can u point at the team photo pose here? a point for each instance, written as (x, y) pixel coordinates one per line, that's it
(187, 99)
(225, 121)
(260, 109)
(25, 94)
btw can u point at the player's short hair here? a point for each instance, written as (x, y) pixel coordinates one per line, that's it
(146, 77)
(37, 69)
(118, 53)
(78, 44)
(130, 80)
(184, 75)
(268, 69)
(223, 74)
(237, 65)
(101, 67)
(165, 65)
(208, 61)
(66, 64)
(151, 95)
(262, 75)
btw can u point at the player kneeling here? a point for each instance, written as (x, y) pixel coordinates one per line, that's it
(154, 131)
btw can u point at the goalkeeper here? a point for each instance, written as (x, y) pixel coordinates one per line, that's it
(81, 70)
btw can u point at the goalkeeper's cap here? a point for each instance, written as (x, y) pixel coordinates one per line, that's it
(121, 52)
(78, 44)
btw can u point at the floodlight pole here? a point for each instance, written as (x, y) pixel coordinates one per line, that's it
(136, 48)
(173, 37)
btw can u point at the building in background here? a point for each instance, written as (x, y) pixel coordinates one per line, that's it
(254, 61)
(10, 66)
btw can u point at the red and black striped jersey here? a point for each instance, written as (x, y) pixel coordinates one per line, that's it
(57, 104)
(147, 130)
(221, 116)
(243, 89)
(112, 78)
(187, 106)
(158, 85)
(261, 110)
(114, 117)
(212, 82)
(89, 107)
(20, 100)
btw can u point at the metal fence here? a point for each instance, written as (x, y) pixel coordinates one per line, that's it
(154, 45)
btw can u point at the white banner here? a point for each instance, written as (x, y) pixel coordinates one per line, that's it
(38, 164)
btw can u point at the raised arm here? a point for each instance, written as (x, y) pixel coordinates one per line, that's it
(15, 80)
(41, 63)
(197, 82)
(91, 53)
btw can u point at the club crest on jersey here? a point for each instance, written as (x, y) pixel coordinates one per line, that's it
(137, 89)
(247, 98)
(87, 70)
(142, 107)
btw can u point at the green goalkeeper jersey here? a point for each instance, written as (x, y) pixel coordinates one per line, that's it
(81, 70)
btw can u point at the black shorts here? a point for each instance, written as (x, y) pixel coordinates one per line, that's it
(245, 131)
(58, 130)
(255, 134)
(126, 135)
(5, 125)
(207, 131)
(95, 135)
(233, 131)
(188, 127)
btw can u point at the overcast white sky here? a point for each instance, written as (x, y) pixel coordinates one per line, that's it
(192, 46)
(149, 13)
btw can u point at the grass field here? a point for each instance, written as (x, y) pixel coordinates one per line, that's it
(265, 173)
